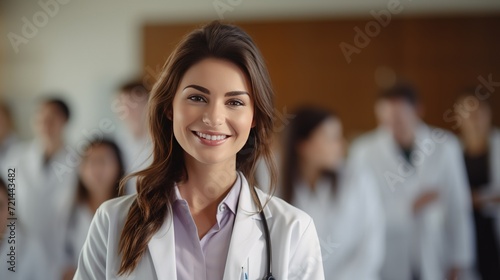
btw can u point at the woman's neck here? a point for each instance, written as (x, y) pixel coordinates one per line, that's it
(96, 199)
(310, 175)
(50, 148)
(205, 188)
(475, 143)
(207, 184)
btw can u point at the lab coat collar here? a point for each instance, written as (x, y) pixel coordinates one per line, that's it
(246, 204)
(246, 231)
(422, 131)
(246, 234)
(162, 250)
(495, 158)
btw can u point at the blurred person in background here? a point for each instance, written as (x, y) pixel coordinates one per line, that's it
(7, 136)
(131, 107)
(100, 172)
(342, 201)
(481, 143)
(422, 181)
(20, 258)
(46, 182)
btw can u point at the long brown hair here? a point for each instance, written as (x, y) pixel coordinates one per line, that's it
(155, 184)
(307, 119)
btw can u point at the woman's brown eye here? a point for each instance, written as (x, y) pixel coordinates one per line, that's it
(196, 98)
(236, 103)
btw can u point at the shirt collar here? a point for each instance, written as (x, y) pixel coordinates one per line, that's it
(231, 199)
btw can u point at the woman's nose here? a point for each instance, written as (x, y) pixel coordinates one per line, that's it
(213, 117)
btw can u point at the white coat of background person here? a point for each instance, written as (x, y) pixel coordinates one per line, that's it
(481, 149)
(130, 106)
(46, 184)
(8, 137)
(422, 182)
(342, 201)
(197, 213)
(20, 257)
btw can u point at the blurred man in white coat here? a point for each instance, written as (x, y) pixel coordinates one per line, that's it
(130, 106)
(46, 180)
(422, 182)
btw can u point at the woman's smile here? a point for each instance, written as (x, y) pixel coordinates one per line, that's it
(211, 138)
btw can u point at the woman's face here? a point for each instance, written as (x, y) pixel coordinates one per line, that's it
(324, 149)
(477, 119)
(99, 169)
(213, 111)
(49, 122)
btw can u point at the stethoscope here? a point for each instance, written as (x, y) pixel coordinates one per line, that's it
(267, 236)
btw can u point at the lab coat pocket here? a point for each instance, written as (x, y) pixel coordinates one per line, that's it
(245, 270)
(253, 269)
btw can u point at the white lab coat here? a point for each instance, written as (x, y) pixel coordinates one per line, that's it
(440, 236)
(296, 252)
(28, 261)
(44, 195)
(78, 227)
(5, 149)
(136, 155)
(350, 224)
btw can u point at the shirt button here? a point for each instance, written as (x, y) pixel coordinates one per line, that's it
(222, 207)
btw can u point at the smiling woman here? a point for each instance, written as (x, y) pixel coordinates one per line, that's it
(197, 213)
(217, 111)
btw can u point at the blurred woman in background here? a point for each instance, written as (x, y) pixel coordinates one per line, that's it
(100, 173)
(481, 143)
(342, 202)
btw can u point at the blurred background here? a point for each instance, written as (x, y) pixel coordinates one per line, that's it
(93, 63)
(87, 48)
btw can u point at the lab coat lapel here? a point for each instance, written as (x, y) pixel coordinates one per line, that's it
(494, 168)
(246, 233)
(495, 158)
(162, 250)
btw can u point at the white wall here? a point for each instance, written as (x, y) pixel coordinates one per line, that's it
(89, 46)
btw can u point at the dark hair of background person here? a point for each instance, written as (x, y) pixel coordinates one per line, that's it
(133, 87)
(307, 119)
(60, 104)
(401, 91)
(82, 194)
(471, 92)
(5, 110)
(3, 186)
(155, 184)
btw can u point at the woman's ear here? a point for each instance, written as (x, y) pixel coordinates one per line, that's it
(253, 123)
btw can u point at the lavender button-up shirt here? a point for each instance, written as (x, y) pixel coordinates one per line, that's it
(204, 259)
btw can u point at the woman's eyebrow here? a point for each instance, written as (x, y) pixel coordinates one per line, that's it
(200, 88)
(206, 91)
(236, 92)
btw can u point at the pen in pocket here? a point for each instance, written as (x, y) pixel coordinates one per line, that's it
(244, 274)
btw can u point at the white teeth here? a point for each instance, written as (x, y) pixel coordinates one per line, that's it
(211, 137)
